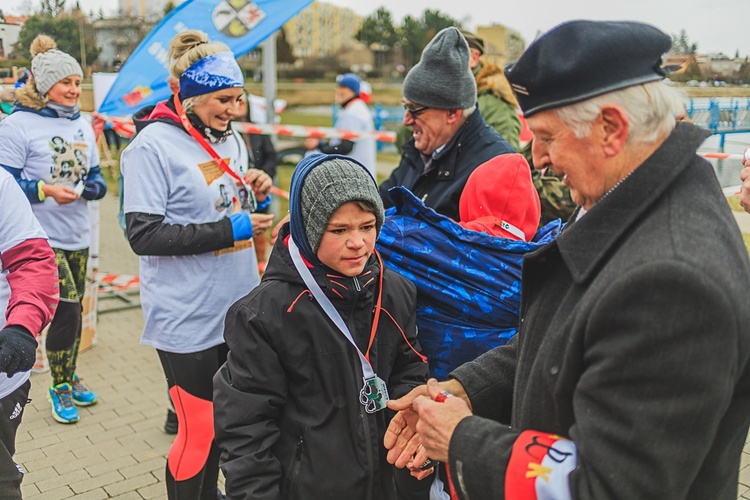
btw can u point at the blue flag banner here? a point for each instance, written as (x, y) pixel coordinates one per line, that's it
(241, 24)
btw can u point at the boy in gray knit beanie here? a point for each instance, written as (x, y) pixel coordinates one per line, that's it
(442, 78)
(320, 185)
(326, 337)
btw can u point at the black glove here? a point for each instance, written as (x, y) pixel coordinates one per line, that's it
(17, 350)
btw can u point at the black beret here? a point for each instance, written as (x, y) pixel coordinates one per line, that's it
(579, 60)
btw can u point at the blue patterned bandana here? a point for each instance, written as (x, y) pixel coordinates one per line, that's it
(215, 72)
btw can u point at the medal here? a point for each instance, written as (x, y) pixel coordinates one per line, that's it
(374, 394)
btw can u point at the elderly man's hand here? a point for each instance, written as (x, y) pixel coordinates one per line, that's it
(436, 422)
(745, 178)
(404, 439)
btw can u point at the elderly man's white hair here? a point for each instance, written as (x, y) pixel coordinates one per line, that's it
(652, 108)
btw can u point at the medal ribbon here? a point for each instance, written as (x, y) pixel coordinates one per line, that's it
(207, 147)
(331, 311)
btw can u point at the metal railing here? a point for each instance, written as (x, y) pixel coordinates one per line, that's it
(721, 117)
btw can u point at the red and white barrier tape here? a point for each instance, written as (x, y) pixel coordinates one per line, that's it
(126, 128)
(315, 132)
(116, 282)
(732, 190)
(720, 156)
(280, 192)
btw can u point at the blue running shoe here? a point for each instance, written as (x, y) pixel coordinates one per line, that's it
(81, 395)
(63, 409)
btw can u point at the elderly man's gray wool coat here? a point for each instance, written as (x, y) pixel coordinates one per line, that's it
(633, 345)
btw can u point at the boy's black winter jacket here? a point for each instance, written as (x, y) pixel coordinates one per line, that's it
(287, 411)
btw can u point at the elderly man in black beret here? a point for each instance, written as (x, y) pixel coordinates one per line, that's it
(629, 375)
(450, 137)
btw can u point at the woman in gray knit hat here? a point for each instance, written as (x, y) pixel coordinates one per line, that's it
(315, 350)
(51, 151)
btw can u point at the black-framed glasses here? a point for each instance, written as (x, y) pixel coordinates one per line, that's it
(414, 113)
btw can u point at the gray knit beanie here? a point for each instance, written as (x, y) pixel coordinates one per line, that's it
(329, 185)
(49, 65)
(442, 78)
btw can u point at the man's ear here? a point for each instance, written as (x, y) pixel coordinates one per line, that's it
(454, 115)
(614, 127)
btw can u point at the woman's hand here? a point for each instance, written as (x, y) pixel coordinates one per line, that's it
(61, 194)
(260, 182)
(261, 223)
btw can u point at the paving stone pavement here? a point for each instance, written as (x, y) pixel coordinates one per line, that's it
(118, 449)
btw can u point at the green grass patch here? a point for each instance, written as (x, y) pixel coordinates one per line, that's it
(746, 238)
(305, 119)
(734, 203)
(111, 171)
(284, 180)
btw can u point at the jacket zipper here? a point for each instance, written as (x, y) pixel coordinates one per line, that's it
(364, 415)
(368, 447)
(294, 473)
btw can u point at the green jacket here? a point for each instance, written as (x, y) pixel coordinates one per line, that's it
(496, 101)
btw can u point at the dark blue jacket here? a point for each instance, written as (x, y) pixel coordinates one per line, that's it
(440, 187)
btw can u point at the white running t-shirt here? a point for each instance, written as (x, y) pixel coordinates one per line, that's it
(57, 151)
(185, 297)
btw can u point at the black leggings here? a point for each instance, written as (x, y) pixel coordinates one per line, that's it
(193, 462)
(11, 411)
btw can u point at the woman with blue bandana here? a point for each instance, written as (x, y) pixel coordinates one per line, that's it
(189, 199)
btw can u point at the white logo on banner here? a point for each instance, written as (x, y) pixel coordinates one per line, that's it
(236, 18)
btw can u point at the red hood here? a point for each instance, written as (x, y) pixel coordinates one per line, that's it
(161, 110)
(501, 192)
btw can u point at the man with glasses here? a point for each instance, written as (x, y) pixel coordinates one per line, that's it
(450, 137)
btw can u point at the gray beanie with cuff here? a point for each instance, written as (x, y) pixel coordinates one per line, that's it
(442, 78)
(329, 185)
(51, 65)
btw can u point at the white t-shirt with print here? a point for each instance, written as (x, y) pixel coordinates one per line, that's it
(57, 151)
(186, 297)
(17, 224)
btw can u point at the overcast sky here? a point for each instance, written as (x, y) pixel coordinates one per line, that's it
(715, 25)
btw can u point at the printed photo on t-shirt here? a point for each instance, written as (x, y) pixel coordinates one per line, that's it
(69, 161)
